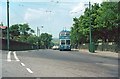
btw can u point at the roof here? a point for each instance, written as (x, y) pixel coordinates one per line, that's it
(63, 31)
(3, 27)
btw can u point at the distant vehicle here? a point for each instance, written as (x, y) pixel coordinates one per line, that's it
(64, 37)
(55, 47)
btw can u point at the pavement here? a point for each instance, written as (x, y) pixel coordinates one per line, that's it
(99, 53)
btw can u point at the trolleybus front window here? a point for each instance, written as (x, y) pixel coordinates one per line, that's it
(68, 42)
(62, 42)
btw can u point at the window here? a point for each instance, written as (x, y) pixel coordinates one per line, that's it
(62, 33)
(67, 34)
(68, 42)
(62, 42)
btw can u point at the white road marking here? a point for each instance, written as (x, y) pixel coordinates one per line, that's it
(22, 64)
(29, 70)
(9, 57)
(15, 56)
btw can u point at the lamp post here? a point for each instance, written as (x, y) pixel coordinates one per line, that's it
(37, 38)
(39, 30)
(38, 35)
(8, 48)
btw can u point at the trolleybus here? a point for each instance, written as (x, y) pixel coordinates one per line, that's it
(64, 37)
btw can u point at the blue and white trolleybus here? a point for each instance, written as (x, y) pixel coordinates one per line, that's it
(64, 37)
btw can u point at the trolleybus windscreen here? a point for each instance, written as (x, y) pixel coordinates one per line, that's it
(68, 42)
(62, 42)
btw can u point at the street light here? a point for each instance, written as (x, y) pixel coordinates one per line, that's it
(38, 35)
(37, 38)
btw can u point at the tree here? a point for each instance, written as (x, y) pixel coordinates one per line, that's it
(25, 32)
(25, 29)
(32, 39)
(14, 31)
(104, 19)
(45, 40)
(80, 29)
(21, 32)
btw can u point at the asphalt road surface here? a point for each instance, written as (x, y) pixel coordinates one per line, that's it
(55, 63)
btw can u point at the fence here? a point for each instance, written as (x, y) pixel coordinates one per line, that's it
(17, 46)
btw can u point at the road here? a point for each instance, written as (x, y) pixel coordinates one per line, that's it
(55, 63)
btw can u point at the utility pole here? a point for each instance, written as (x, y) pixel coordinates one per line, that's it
(39, 34)
(8, 41)
(37, 38)
(91, 45)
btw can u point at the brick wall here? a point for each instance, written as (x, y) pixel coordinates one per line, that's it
(15, 45)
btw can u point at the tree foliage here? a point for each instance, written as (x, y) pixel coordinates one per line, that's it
(20, 32)
(45, 40)
(14, 31)
(23, 33)
(103, 19)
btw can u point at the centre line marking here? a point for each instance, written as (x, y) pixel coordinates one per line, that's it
(22, 64)
(29, 70)
(15, 56)
(9, 57)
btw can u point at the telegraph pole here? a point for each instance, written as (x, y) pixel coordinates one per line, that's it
(38, 35)
(8, 47)
(91, 45)
(37, 38)
(90, 29)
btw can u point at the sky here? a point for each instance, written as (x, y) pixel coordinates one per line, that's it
(53, 15)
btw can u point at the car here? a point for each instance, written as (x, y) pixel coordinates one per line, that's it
(55, 47)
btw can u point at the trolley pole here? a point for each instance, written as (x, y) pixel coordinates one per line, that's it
(8, 38)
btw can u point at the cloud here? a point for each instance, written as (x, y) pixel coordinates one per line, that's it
(39, 17)
(36, 14)
(80, 8)
(96, 1)
(77, 10)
